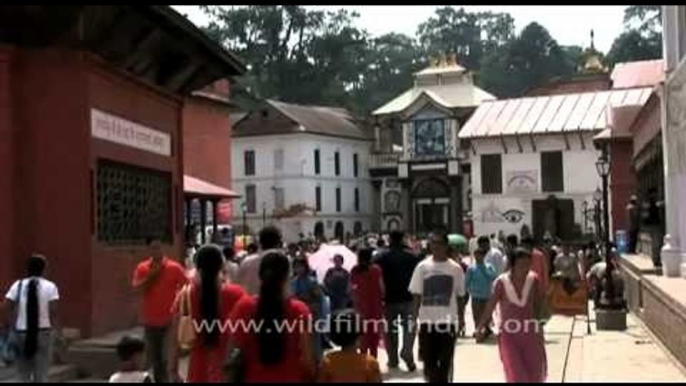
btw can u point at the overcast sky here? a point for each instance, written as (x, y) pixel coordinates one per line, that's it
(569, 25)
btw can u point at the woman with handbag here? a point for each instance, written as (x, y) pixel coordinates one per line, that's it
(279, 349)
(202, 311)
(520, 338)
(34, 304)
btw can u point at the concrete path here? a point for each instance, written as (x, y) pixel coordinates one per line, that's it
(573, 356)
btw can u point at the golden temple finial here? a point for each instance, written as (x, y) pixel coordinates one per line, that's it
(452, 59)
(443, 60)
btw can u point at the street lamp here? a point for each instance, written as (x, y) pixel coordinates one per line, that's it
(597, 197)
(584, 210)
(264, 214)
(603, 169)
(244, 206)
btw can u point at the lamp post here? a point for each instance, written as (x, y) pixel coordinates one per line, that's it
(264, 214)
(584, 209)
(603, 169)
(597, 197)
(244, 206)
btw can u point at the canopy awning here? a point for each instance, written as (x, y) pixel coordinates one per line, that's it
(197, 188)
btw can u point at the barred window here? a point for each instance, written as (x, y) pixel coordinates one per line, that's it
(249, 161)
(251, 198)
(491, 174)
(338, 199)
(552, 171)
(133, 203)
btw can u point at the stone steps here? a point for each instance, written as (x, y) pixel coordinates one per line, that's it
(57, 374)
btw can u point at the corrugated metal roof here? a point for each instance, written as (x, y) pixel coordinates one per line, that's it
(549, 114)
(638, 74)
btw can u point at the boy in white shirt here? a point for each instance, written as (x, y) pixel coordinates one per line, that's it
(131, 352)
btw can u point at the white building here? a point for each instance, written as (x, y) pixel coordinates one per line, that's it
(674, 132)
(533, 160)
(303, 169)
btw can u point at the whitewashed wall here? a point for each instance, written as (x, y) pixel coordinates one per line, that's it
(580, 179)
(298, 179)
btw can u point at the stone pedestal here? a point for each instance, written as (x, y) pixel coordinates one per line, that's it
(671, 259)
(610, 320)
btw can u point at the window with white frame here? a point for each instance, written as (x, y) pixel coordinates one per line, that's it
(278, 159)
(251, 198)
(279, 199)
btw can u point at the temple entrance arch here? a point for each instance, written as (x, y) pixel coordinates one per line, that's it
(431, 204)
(319, 230)
(339, 231)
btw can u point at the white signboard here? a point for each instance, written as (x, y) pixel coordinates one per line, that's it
(111, 128)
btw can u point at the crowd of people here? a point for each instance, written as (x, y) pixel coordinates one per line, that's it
(263, 315)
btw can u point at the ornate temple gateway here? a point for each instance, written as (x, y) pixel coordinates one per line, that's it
(420, 172)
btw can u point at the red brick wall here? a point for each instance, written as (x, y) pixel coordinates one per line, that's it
(46, 159)
(115, 304)
(207, 141)
(648, 124)
(7, 273)
(622, 183)
(51, 184)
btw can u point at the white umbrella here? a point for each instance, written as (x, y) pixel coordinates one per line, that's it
(322, 260)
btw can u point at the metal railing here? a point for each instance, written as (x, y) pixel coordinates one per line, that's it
(384, 160)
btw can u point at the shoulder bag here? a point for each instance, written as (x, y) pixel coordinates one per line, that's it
(10, 348)
(186, 330)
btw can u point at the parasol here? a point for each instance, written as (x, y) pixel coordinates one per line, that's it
(457, 240)
(322, 260)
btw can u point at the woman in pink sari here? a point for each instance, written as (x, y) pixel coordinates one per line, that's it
(518, 294)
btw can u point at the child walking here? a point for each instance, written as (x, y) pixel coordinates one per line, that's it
(348, 365)
(131, 353)
(479, 280)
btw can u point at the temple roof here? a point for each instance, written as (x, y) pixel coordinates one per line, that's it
(151, 42)
(331, 121)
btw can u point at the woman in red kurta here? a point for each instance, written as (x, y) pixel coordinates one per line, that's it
(211, 301)
(367, 287)
(273, 354)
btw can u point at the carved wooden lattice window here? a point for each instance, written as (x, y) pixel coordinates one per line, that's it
(133, 203)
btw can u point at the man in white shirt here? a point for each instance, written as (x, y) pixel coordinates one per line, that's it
(436, 284)
(248, 275)
(36, 326)
(492, 255)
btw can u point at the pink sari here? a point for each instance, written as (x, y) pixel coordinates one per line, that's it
(521, 341)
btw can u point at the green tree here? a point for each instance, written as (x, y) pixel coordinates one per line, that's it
(391, 61)
(293, 54)
(642, 37)
(525, 62)
(469, 36)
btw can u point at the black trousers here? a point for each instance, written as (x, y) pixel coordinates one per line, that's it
(436, 349)
(156, 341)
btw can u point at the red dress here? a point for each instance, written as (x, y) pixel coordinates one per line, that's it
(293, 368)
(366, 286)
(206, 363)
